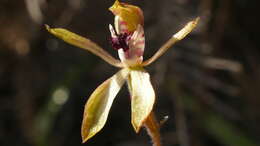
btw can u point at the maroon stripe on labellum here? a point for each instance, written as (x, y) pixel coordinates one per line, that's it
(123, 23)
(120, 41)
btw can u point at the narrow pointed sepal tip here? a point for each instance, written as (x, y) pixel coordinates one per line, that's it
(186, 29)
(84, 140)
(47, 27)
(86, 136)
(196, 20)
(50, 30)
(137, 127)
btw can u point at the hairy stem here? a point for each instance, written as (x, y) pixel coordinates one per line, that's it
(153, 129)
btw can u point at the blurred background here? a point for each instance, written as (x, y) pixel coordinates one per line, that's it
(208, 84)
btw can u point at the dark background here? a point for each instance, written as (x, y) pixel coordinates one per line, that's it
(208, 84)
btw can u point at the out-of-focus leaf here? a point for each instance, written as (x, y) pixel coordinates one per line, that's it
(143, 97)
(98, 105)
(83, 43)
(226, 133)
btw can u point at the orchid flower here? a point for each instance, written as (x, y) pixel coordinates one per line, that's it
(127, 37)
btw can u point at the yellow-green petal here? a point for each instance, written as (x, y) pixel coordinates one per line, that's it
(98, 105)
(84, 43)
(142, 97)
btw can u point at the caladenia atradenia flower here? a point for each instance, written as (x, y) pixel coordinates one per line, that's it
(127, 37)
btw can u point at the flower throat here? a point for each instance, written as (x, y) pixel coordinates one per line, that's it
(120, 41)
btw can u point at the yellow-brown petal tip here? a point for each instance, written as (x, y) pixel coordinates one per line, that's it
(186, 29)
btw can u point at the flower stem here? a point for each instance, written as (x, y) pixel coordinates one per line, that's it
(153, 129)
